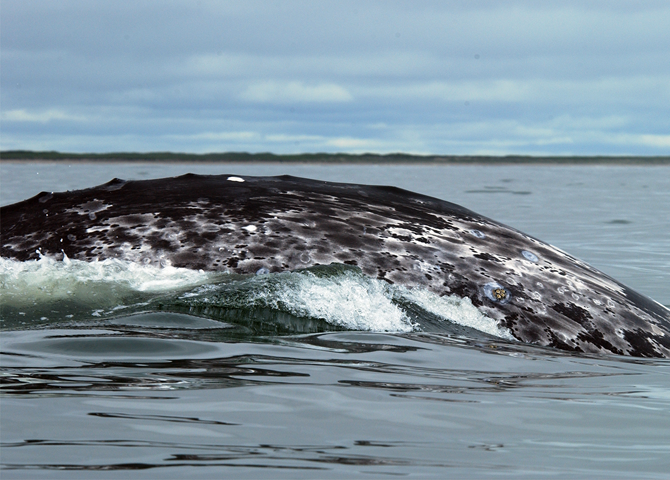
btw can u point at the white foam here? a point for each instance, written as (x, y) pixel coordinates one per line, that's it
(349, 300)
(32, 280)
(358, 302)
(457, 310)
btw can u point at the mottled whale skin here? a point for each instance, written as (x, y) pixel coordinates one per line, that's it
(248, 224)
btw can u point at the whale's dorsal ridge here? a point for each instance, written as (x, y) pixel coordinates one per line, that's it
(114, 184)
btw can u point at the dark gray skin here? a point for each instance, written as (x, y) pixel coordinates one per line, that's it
(244, 224)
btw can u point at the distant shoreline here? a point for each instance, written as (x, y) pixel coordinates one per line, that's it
(326, 158)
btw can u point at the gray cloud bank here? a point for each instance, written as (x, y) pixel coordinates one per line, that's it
(471, 77)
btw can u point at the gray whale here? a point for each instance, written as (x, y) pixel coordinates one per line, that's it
(252, 225)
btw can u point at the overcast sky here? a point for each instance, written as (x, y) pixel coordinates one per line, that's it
(442, 77)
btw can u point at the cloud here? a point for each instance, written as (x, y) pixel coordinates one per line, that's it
(541, 91)
(578, 76)
(21, 115)
(284, 138)
(654, 141)
(353, 144)
(292, 92)
(225, 136)
(660, 141)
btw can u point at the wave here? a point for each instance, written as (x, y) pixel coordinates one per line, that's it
(50, 292)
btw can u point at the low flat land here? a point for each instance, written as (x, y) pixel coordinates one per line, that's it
(327, 158)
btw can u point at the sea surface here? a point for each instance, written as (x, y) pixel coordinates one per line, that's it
(323, 374)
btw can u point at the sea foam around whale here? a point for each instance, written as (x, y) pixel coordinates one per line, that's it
(55, 290)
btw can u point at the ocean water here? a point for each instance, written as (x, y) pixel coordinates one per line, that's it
(321, 374)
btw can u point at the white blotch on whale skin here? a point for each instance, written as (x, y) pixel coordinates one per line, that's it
(424, 267)
(98, 228)
(250, 228)
(402, 232)
(235, 179)
(530, 256)
(90, 208)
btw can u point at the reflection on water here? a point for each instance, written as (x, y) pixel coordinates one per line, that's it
(141, 396)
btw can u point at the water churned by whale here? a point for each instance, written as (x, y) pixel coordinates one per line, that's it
(268, 225)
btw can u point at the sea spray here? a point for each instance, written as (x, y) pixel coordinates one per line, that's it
(320, 298)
